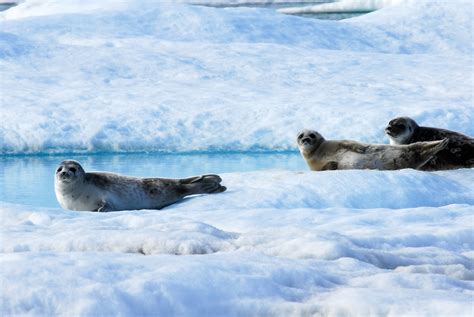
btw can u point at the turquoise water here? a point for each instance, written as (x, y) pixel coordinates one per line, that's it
(29, 180)
(274, 6)
(5, 6)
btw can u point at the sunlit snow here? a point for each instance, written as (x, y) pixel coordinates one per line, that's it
(107, 76)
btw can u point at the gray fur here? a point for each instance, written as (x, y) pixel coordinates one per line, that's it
(98, 191)
(321, 154)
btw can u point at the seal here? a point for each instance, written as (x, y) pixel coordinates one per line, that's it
(99, 191)
(459, 153)
(321, 154)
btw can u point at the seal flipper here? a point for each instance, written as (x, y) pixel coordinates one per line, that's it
(197, 179)
(103, 207)
(429, 151)
(329, 166)
(204, 184)
(354, 147)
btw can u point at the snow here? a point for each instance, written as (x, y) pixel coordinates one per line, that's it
(108, 76)
(246, 67)
(344, 6)
(277, 243)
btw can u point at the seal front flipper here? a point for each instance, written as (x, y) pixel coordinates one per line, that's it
(329, 166)
(354, 147)
(103, 206)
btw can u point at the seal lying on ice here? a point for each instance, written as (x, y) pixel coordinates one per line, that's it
(458, 153)
(77, 190)
(321, 154)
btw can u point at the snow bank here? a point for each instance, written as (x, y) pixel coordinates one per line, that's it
(344, 6)
(329, 247)
(30, 8)
(345, 189)
(200, 78)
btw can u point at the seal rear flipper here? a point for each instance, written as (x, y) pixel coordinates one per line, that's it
(210, 178)
(430, 150)
(205, 184)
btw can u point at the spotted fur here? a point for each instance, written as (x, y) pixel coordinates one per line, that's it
(321, 154)
(459, 152)
(97, 191)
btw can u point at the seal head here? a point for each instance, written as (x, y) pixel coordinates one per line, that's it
(69, 172)
(309, 141)
(401, 130)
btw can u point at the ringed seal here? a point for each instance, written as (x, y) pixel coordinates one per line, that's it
(321, 154)
(98, 191)
(458, 153)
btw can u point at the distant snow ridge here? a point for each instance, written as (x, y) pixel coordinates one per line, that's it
(344, 6)
(241, 2)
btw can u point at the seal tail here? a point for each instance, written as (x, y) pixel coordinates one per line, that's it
(204, 184)
(432, 148)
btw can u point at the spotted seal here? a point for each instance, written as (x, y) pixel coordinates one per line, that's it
(99, 191)
(321, 154)
(459, 153)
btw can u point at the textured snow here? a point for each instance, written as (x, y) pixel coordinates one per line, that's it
(200, 78)
(30, 8)
(277, 243)
(96, 76)
(344, 6)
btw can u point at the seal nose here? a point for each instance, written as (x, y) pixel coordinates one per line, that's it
(305, 140)
(63, 174)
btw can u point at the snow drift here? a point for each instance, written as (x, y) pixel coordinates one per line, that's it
(200, 78)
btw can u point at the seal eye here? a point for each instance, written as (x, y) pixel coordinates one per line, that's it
(73, 169)
(312, 135)
(59, 169)
(300, 136)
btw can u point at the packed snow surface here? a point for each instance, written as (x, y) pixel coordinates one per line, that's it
(365, 243)
(201, 78)
(99, 76)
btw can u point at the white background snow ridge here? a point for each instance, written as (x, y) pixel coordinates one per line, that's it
(200, 78)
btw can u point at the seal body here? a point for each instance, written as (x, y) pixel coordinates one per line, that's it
(459, 152)
(77, 190)
(321, 154)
